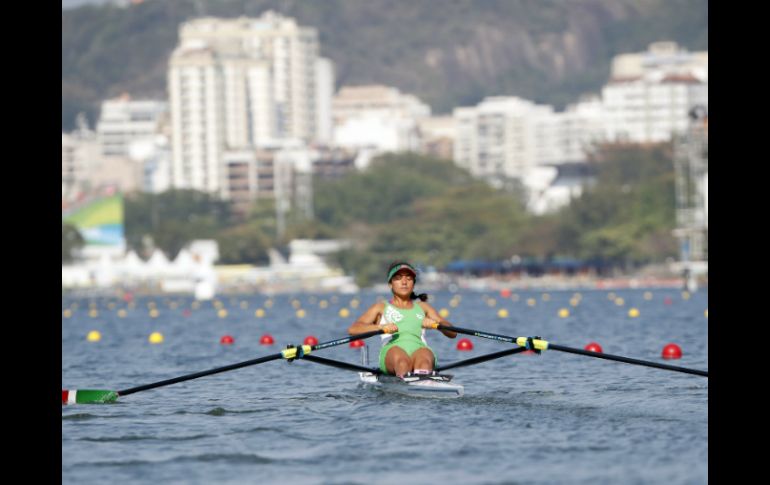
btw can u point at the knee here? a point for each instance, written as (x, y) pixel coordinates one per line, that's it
(403, 360)
(423, 362)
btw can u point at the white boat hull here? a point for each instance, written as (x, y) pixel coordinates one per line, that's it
(420, 388)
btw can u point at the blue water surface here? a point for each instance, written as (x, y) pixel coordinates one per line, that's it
(552, 418)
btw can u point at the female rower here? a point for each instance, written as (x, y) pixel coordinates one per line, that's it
(404, 348)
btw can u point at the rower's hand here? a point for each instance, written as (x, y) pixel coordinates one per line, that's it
(390, 328)
(428, 322)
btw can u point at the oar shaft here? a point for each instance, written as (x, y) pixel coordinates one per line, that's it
(200, 374)
(341, 365)
(481, 358)
(247, 363)
(627, 360)
(476, 333)
(343, 341)
(598, 355)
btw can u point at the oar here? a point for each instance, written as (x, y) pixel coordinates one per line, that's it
(94, 396)
(539, 344)
(481, 358)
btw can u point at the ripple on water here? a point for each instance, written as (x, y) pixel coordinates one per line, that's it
(228, 458)
(111, 439)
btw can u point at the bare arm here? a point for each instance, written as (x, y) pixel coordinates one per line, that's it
(432, 316)
(369, 321)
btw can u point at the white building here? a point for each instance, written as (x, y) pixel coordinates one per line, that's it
(324, 96)
(505, 137)
(660, 56)
(154, 157)
(240, 84)
(651, 108)
(437, 136)
(80, 155)
(378, 118)
(123, 121)
(647, 100)
(650, 94)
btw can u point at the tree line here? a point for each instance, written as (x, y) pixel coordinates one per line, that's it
(432, 212)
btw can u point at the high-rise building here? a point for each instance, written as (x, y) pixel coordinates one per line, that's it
(241, 84)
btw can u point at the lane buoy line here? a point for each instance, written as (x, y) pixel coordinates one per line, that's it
(291, 353)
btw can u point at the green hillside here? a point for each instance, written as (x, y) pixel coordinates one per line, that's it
(448, 52)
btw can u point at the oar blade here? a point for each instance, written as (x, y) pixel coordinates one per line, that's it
(88, 396)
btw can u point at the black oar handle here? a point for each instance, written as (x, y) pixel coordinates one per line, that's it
(345, 340)
(246, 363)
(627, 360)
(476, 333)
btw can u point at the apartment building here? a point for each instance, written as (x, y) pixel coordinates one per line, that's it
(377, 117)
(241, 84)
(123, 121)
(650, 94)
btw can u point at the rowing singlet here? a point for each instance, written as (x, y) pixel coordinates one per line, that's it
(410, 336)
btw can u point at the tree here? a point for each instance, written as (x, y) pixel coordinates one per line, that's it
(71, 240)
(244, 244)
(173, 218)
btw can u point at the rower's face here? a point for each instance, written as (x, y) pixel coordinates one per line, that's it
(402, 282)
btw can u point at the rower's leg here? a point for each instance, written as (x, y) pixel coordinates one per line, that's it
(423, 359)
(397, 362)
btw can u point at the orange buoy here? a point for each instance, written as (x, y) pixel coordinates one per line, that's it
(505, 293)
(310, 340)
(356, 344)
(266, 339)
(464, 344)
(594, 347)
(672, 351)
(226, 340)
(667, 301)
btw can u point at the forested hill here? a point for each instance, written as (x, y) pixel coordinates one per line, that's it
(447, 52)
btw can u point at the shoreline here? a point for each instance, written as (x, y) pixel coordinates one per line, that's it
(434, 284)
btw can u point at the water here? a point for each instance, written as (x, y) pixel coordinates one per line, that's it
(553, 418)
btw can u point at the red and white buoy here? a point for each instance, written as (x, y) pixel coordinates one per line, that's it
(594, 347)
(464, 345)
(356, 344)
(672, 351)
(266, 339)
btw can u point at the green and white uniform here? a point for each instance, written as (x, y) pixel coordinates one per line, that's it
(410, 336)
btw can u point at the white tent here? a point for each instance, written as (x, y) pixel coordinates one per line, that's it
(158, 264)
